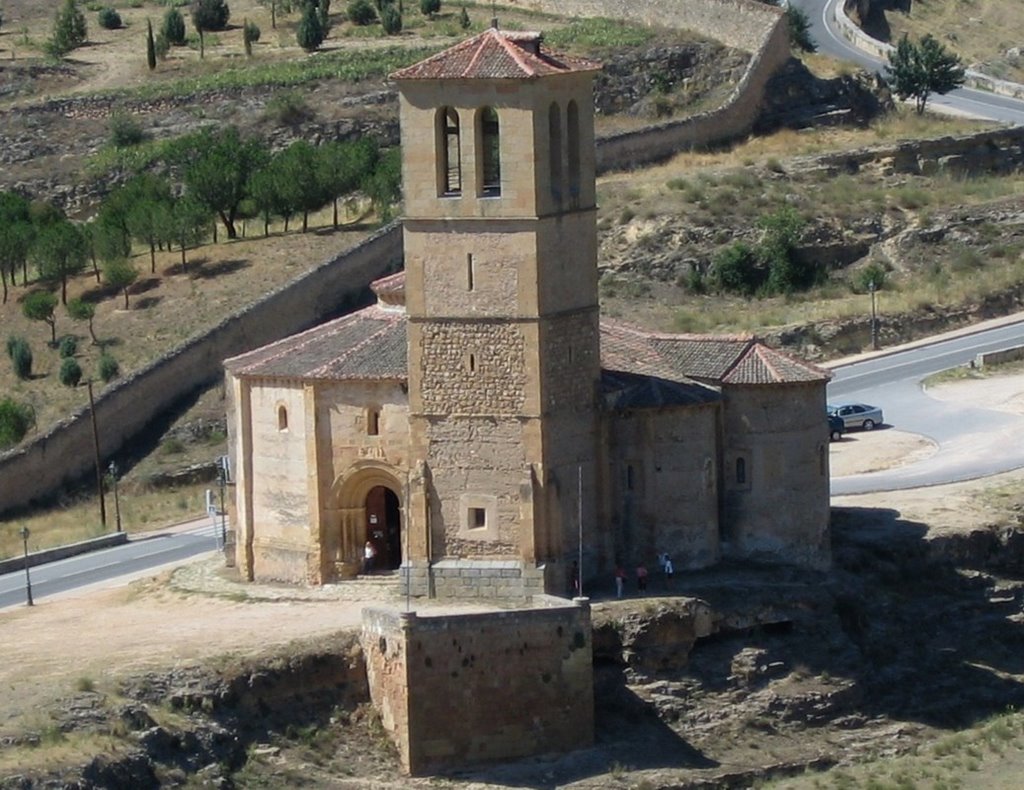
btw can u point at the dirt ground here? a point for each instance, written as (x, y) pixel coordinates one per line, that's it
(154, 622)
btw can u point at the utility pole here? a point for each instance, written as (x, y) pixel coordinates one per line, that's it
(872, 288)
(117, 504)
(96, 450)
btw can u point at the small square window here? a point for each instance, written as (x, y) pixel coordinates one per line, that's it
(477, 518)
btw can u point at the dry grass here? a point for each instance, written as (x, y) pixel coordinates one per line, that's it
(142, 509)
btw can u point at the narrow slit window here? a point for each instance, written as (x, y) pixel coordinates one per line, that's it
(470, 274)
(555, 150)
(282, 418)
(471, 363)
(490, 153)
(373, 422)
(477, 518)
(630, 481)
(573, 123)
(450, 144)
(741, 471)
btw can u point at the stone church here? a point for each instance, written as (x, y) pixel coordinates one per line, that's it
(481, 425)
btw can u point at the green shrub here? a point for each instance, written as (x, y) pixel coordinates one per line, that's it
(361, 12)
(70, 372)
(20, 353)
(288, 109)
(391, 20)
(125, 131)
(173, 27)
(68, 346)
(430, 7)
(735, 270)
(108, 368)
(464, 22)
(871, 276)
(109, 19)
(15, 421)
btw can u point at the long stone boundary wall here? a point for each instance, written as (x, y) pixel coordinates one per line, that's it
(63, 552)
(65, 452)
(743, 24)
(858, 38)
(481, 687)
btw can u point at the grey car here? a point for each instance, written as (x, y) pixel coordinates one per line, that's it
(857, 415)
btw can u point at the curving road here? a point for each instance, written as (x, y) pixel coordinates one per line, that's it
(979, 104)
(972, 442)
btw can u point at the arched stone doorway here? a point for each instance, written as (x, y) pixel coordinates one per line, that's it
(368, 498)
(384, 527)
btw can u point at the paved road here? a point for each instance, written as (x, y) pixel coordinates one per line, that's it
(141, 554)
(972, 442)
(980, 104)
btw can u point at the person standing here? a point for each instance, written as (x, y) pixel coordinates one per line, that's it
(620, 580)
(641, 578)
(669, 570)
(369, 555)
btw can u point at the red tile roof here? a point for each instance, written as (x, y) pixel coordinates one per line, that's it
(496, 54)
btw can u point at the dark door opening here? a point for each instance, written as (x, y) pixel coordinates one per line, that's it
(384, 527)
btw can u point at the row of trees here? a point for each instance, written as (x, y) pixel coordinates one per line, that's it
(214, 175)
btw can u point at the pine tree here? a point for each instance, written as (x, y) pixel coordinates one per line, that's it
(310, 33)
(919, 70)
(69, 30)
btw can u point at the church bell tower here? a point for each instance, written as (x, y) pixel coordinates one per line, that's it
(501, 296)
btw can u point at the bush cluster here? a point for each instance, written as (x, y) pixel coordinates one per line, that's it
(15, 421)
(109, 19)
(108, 368)
(20, 353)
(70, 372)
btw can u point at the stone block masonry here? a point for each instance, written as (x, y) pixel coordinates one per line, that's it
(460, 689)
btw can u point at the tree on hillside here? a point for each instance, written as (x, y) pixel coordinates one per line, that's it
(222, 165)
(16, 234)
(310, 33)
(16, 419)
(799, 25)
(15, 242)
(297, 171)
(430, 7)
(250, 35)
(149, 204)
(173, 27)
(384, 186)
(59, 252)
(186, 224)
(120, 274)
(84, 311)
(921, 69)
(69, 30)
(150, 46)
(40, 306)
(391, 19)
(343, 167)
(209, 15)
(267, 197)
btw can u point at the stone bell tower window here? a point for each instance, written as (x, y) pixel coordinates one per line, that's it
(555, 150)
(282, 418)
(450, 148)
(372, 422)
(489, 152)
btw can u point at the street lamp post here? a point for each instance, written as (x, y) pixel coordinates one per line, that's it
(117, 503)
(222, 479)
(28, 578)
(872, 289)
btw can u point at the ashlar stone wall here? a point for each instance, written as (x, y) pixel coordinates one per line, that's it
(475, 688)
(777, 507)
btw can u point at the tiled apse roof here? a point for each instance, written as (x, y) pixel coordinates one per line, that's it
(368, 344)
(716, 359)
(371, 344)
(495, 54)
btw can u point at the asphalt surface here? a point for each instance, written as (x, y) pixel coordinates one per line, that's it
(972, 442)
(979, 104)
(140, 556)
